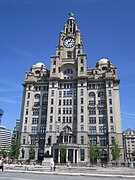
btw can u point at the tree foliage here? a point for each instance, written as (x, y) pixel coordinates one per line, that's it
(94, 153)
(31, 153)
(3, 153)
(15, 150)
(116, 151)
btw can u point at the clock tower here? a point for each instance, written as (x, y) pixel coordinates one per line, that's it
(69, 50)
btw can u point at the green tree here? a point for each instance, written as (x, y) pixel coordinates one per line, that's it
(94, 153)
(15, 150)
(116, 151)
(3, 153)
(31, 153)
(63, 154)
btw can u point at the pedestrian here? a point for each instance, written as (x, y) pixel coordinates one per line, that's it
(51, 167)
(1, 164)
(54, 167)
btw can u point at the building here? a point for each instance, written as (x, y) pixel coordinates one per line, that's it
(15, 134)
(5, 138)
(1, 114)
(129, 145)
(70, 107)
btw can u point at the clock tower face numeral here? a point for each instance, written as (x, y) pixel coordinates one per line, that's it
(69, 42)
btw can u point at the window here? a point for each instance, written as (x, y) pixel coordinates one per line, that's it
(82, 139)
(81, 83)
(110, 110)
(82, 154)
(110, 101)
(102, 129)
(52, 93)
(81, 109)
(26, 112)
(92, 120)
(64, 119)
(109, 93)
(101, 110)
(102, 120)
(42, 129)
(103, 141)
(54, 70)
(92, 129)
(81, 92)
(54, 62)
(35, 112)
(112, 140)
(81, 69)
(50, 128)
(81, 100)
(60, 93)
(93, 140)
(82, 118)
(58, 128)
(82, 128)
(92, 111)
(111, 119)
(59, 102)
(101, 94)
(92, 98)
(27, 103)
(109, 84)
(34, 120)
(59, 111)
(51, 110)
(34, 129)
(26, 120)
(25, 128)
(28, 95)
(81, 60)
(112, 128)
(51, 119)
(69, 55)
(51, 101)
(59, 119)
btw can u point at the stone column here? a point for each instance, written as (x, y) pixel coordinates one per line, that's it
(58, 155)
(77, 156)
(73, 155)
(66, 155)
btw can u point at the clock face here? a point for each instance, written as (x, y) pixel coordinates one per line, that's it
(69, 42)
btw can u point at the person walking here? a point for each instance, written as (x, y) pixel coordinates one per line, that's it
(1, 164)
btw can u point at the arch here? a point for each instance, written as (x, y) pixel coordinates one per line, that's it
(92, 98)
(67, 128)
(37, 96)
(101, 94)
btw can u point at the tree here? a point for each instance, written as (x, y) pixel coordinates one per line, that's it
(94, 153)
(15, 150)
(116, 151)
(31, 153)
(3, 153)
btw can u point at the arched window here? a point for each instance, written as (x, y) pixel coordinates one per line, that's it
(92, 98)
(101, 94)
(37, 96)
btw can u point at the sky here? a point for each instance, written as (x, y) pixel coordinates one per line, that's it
(29, 33)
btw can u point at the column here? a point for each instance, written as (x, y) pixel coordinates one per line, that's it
(73, 155)
(58, 155)
(66, 155)
(77, 156)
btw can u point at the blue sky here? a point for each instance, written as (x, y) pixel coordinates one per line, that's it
(29, 32)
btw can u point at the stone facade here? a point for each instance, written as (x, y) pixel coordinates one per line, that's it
(129, 145)
(71, 107)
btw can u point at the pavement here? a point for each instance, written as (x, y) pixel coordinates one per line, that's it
(73, 171)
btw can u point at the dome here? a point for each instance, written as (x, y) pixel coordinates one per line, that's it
(103, 61)
(39, 65)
